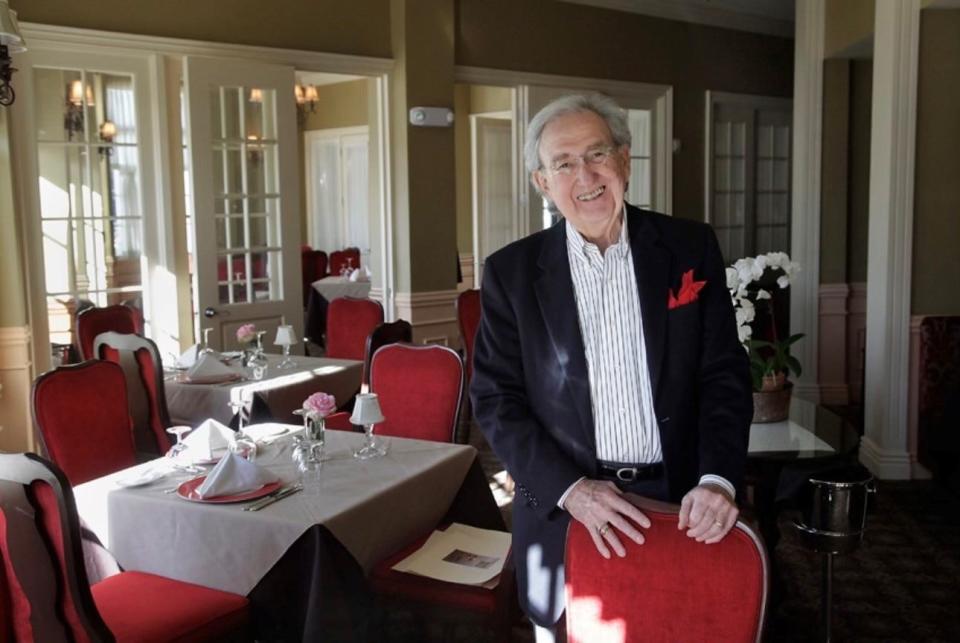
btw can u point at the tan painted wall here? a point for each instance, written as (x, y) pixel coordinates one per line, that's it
(576, 40)
(13, 311)
(936, 232)
(861, 102)
(848, 25)
(359, 27)
(834, 171)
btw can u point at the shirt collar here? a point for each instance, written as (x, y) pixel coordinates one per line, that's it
(580, 247)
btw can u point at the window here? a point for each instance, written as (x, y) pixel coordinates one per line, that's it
(748, 159)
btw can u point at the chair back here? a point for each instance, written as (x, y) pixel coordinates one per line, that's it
(349, 322)
(313, 266)
(146, 398)
(386, 333)
(41, 560)
(93, 321)
(670, 588)
(348, 257)
(468, 318)
(420, 389)
(81, 412)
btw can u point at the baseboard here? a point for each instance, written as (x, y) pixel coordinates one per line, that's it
(885, 464)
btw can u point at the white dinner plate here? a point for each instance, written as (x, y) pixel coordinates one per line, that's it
(141, 478)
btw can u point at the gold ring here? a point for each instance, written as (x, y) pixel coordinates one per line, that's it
(604, 529)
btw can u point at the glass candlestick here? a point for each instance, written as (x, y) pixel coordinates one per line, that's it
(366, 412)
(285, 338)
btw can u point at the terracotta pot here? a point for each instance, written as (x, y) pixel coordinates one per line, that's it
(772, 406)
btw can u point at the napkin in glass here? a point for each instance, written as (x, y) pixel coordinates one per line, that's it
(234, 475)
(208, 439)
(210, 370)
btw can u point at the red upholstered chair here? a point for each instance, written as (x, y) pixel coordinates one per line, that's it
(468, 318)
(420, 389)
(93, 321)
(348, 257)
(671, 588)
(42, 573)
(313, 266)
(146, 399)
(81, 411)
(386, 333)
(349, 322)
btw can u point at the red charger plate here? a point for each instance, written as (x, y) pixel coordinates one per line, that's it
(188, 491)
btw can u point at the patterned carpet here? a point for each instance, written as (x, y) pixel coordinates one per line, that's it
(901, 585)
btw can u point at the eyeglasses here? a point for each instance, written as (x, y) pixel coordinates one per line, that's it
(568, 166)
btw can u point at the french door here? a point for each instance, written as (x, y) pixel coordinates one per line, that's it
(244, 204)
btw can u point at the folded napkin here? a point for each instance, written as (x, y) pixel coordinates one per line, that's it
(234, 475)
(210, 370)
(188, 358)
(206, 439)
(360, 274)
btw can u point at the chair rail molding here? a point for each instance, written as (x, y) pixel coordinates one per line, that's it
(16, 378)
(890, 237)
(805, 206)
(433, 315)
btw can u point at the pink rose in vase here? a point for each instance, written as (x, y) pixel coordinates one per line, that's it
(246, 333)
(320, 404)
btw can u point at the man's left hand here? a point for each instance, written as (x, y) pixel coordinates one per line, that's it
(707, 512)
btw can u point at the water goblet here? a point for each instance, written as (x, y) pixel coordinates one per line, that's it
(180, 447)
(205, 350)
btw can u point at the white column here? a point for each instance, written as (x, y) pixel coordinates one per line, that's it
(893, 128)
(805, 208)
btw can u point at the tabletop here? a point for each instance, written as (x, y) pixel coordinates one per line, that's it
(282, 390)
(333, 287)
(373, 508)
(812, 431)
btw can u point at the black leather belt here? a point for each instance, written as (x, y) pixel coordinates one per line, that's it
(629, 472)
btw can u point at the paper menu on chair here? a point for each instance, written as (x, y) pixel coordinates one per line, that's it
(461, 554)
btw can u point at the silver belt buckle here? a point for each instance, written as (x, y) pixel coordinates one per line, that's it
(627, 474)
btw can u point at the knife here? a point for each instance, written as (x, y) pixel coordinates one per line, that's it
(269, 500)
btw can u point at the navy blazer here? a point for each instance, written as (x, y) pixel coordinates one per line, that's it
(531, 393)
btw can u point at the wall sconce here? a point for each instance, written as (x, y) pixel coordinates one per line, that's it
(254, 152)
(73, 111)
(108, 130)
(11, 42)
(307, 99)
(256, 95)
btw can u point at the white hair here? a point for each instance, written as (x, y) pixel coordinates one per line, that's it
(602, 106)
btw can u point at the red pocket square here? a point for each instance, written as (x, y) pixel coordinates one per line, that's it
(689, 290)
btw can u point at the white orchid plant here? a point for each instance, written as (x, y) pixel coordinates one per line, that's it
(768, 359)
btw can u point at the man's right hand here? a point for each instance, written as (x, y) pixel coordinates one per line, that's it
(600, 506)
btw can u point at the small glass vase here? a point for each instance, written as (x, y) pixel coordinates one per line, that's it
(256, 360)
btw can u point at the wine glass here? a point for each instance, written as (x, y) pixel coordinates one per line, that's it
(206, 350)
(257, 362)
(243, 445)
(180, 447)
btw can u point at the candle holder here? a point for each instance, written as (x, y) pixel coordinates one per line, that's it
(366, 412)
(286, 338)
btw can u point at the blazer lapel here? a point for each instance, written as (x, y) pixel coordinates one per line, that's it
(554, 289)
(651, 263)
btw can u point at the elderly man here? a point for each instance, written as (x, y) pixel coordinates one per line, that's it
(607, 359)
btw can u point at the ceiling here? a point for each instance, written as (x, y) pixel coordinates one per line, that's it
(774, 17)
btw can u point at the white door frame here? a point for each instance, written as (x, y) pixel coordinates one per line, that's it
(158, 52)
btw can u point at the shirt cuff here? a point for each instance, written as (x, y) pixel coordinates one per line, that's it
(566, 493)
(717, 480)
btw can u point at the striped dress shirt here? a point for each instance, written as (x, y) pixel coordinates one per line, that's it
(608, 307)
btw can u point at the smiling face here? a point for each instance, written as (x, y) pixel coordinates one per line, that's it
(591, 196)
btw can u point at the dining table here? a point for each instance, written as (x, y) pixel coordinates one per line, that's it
(302, 560)
(281, 390)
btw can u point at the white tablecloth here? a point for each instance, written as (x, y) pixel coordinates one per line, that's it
(333, 287)
(372, 507)
(282, 390)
